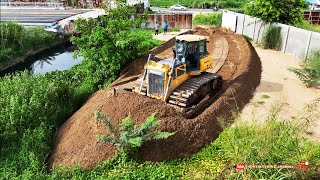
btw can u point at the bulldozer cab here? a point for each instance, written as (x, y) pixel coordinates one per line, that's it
(190, 49)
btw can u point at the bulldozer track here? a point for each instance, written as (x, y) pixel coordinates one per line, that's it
(187, 92)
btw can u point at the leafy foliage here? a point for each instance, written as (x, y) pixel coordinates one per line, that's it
(272, 38)
(15, 40)
(310, 72)
(127, 137)
(110, 43)
(208, 19)
(280, 11)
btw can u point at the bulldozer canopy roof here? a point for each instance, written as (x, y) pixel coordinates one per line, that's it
(191, 38)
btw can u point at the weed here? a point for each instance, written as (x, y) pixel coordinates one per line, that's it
(272, 38)
(309, 74)
(265, 96)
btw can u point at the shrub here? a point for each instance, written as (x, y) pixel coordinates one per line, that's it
(127, 137)
(310, 72)
(208, 19)
(271, 38)
(16, 40)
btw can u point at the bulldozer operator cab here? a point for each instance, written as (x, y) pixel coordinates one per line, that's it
(190, 49)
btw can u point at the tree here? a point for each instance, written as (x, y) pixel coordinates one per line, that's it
(110, 42)
(281, 11)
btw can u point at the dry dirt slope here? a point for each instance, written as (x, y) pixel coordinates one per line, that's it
(76, 143)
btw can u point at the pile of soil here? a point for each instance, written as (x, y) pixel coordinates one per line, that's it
(76, 143)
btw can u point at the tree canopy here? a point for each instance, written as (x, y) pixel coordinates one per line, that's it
(282, 11)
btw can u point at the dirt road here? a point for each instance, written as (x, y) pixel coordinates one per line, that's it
(278, 85)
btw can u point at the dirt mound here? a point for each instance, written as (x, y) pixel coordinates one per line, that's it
(76, 143)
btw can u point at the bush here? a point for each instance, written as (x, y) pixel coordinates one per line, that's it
(127, 137)
(271, 38)
(310, 72)
(214, 19)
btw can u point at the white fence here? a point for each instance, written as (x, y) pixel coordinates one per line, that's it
(295, 41)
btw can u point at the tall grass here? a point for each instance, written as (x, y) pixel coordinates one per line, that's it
(15, 40)
(200, 4)
(271, 38)
(309, 73)
(307, 26)
(213, 19)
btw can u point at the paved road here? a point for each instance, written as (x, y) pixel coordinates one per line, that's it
(44, 17)
(36, 17)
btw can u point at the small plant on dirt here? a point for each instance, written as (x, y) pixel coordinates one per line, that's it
(128, 137)
(310, 72)
(272, 38)
(265, 96)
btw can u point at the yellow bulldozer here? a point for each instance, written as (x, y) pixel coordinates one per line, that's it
(181, 80)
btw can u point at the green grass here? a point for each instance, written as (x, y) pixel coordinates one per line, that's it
(213, 19)
(200, 4)
(16, 41)
(307, 26)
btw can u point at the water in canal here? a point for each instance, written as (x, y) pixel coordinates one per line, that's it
(56, 58)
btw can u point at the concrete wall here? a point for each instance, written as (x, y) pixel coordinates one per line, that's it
(230, 22)
(175, 20)
(295, 41)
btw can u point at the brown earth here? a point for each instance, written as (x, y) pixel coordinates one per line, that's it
(76, 144)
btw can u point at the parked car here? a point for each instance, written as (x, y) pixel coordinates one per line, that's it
(177, 7)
